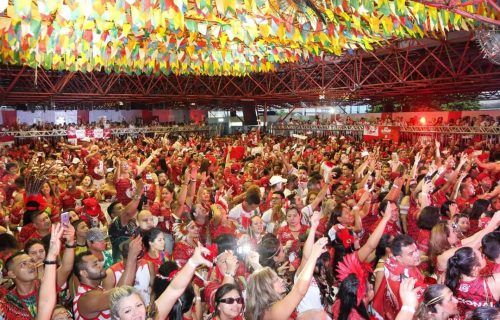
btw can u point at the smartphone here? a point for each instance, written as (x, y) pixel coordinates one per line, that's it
(65, 219)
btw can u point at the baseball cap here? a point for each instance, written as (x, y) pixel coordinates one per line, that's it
(96, 234)
(92, 207)
(276, 179)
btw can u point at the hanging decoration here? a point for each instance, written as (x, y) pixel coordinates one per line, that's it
(210, 37)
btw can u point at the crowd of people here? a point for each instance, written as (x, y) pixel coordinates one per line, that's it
(249, 226)
(483, 120)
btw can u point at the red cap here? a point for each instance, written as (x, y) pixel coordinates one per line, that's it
(92, 207)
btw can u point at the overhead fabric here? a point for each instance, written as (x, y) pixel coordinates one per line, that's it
(208, 37)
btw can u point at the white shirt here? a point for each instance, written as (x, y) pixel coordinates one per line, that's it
(237, 212)
(312, 299)
(266, 217)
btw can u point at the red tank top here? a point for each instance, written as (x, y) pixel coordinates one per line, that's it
(472, 295)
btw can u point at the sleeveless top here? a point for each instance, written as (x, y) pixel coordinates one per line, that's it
(472, 295)
(81, 290)
(142, 278)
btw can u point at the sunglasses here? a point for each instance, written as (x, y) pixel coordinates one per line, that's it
(232, 300)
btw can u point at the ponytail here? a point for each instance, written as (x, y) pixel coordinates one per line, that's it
(461, 263)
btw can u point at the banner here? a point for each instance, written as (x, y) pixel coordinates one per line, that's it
(389, 133)
(370, 133)
(97, 133)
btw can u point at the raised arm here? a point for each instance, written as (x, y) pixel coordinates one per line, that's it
(167, 299)
(146, 162)
(372, 243)
(282, 309)
(308, 245)
(130, 209)
(473, 241)
(66, 267)
(48, 294)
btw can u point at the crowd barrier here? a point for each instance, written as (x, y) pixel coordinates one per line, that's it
(21, 136)
(411, 134)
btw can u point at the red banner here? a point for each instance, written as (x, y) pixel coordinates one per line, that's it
(389, 133)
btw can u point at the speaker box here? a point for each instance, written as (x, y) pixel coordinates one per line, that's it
(249, 116)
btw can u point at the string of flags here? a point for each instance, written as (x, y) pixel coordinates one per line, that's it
(208, 37)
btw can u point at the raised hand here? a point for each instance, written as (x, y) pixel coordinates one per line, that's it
(135, 247)
(56, 233)
(315, 219)
(408, 293)
(319, 247)
(197, 258)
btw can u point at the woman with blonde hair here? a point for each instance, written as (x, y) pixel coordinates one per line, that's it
(438, 303)
(126, 302)
(265, 289)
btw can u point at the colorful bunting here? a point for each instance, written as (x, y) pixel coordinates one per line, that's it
(209, 37)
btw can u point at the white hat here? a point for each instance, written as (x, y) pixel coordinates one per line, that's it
(75, 161)
(275, 180)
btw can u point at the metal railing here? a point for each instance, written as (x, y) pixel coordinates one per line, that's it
(211, 130)
(463, 135)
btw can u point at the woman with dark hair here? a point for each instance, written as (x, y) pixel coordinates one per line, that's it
(166, 273)
(449, 209)
(154, 243)
(479, 208)
(271, 252)
(289, 235)
(355, 290)
(485, 313)
(428, 218)
(228, 303)
(471, 289)
(381, 253)
(349, 308)
(438, 304)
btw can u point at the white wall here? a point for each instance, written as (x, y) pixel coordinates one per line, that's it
(115, 116)
(46, 116)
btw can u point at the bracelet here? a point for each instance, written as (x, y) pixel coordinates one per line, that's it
(49, 262)
(408, 309)
(227, 274)
(197, 298)
(192, 264)
(395, 186)
(70, 246)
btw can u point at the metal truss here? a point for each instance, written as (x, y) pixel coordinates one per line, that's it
(212, 130)
(417, 68)
(288, 129)
(451, 129)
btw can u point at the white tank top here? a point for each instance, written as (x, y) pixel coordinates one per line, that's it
(142, 278)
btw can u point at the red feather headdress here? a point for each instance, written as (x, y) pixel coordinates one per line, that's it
(352, 265)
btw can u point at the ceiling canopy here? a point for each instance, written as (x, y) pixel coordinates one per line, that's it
(213, 37)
